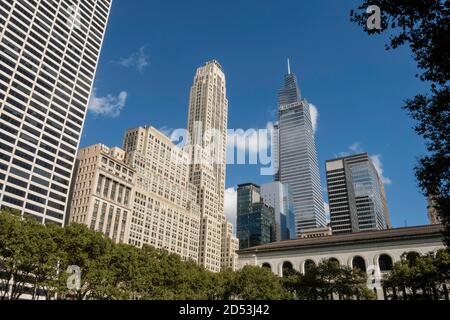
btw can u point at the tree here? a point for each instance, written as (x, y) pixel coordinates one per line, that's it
(329, 280)
(424, 278)
(255, 283)
(424, 25)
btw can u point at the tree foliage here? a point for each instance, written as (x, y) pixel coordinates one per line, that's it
(34, 259)
(422, 278)
(329, 281)
(424, 25)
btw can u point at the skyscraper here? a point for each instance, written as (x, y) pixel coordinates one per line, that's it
(207, 126)
(140, 195)
(49, 53)
(255, 219)
(356, 194)
(278, 196)
(298, 163)
(102, 192)
(165, 213)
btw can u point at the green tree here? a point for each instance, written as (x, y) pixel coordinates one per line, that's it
(329, 281)
(424, 278)
(254, 283)
(424, 25)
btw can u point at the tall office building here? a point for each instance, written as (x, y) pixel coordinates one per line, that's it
(49, 52)
(255, 219)
(278, 196)
(207, 126)
(102, 192)
(165, 211)
(298, 163)
(356, 195)
(230, 244)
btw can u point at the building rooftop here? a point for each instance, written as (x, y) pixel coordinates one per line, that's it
(351, 238)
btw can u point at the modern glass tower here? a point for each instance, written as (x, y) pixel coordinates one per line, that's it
(277, 195)
(49, 53)
(255, 219)
(356, 194)
(298, 163)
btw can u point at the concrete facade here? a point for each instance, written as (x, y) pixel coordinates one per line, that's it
(370, 246)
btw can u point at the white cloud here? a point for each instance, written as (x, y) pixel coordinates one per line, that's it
(231, 206)
(314, 116)
(139, 60)
(376, 159)
(107, 106)
(355, 147)
(327, 210)
(166, 131)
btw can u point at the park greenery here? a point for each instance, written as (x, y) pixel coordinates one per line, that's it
(419, 277)
(34, 259)
(424, 26)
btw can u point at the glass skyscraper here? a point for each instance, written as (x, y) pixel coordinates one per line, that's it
(298, 165)
(255, 219)
(356, 194)
(278, 196)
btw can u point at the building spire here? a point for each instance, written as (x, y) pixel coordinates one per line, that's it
(289, 66)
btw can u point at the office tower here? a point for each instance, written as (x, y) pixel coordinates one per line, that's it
(207, 126)
(277, 196)
(102, 192)
(165, 213)
(356, 195)
(255, 219)
(230, 244)
(49, 53)
(298, 156)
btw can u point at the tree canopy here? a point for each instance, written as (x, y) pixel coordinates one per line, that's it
(423, 25)
(34, 260)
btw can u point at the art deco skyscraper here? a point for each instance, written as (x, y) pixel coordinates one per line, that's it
(298, 163)
(207, 126)
(49, 52)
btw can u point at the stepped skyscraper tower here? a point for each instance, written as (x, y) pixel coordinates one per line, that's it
(207, 126)
(298, 164)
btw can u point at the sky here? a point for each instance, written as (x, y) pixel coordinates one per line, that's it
(152, 49)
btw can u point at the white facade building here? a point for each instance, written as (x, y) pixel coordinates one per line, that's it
(207, 126)
(49, 52)
(374, 252)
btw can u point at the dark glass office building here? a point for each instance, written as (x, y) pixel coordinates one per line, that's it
(255, 219)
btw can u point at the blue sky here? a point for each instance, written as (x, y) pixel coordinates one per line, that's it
(152, 49)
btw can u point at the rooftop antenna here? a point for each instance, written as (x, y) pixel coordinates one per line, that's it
(289, 66)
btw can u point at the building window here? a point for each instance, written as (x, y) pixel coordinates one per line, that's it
(359, 263)
(385, 263)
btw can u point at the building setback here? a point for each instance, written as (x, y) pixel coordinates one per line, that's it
(207, 127)
(145, 188)
(49, 52)
(298, 165)
(356, 195)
